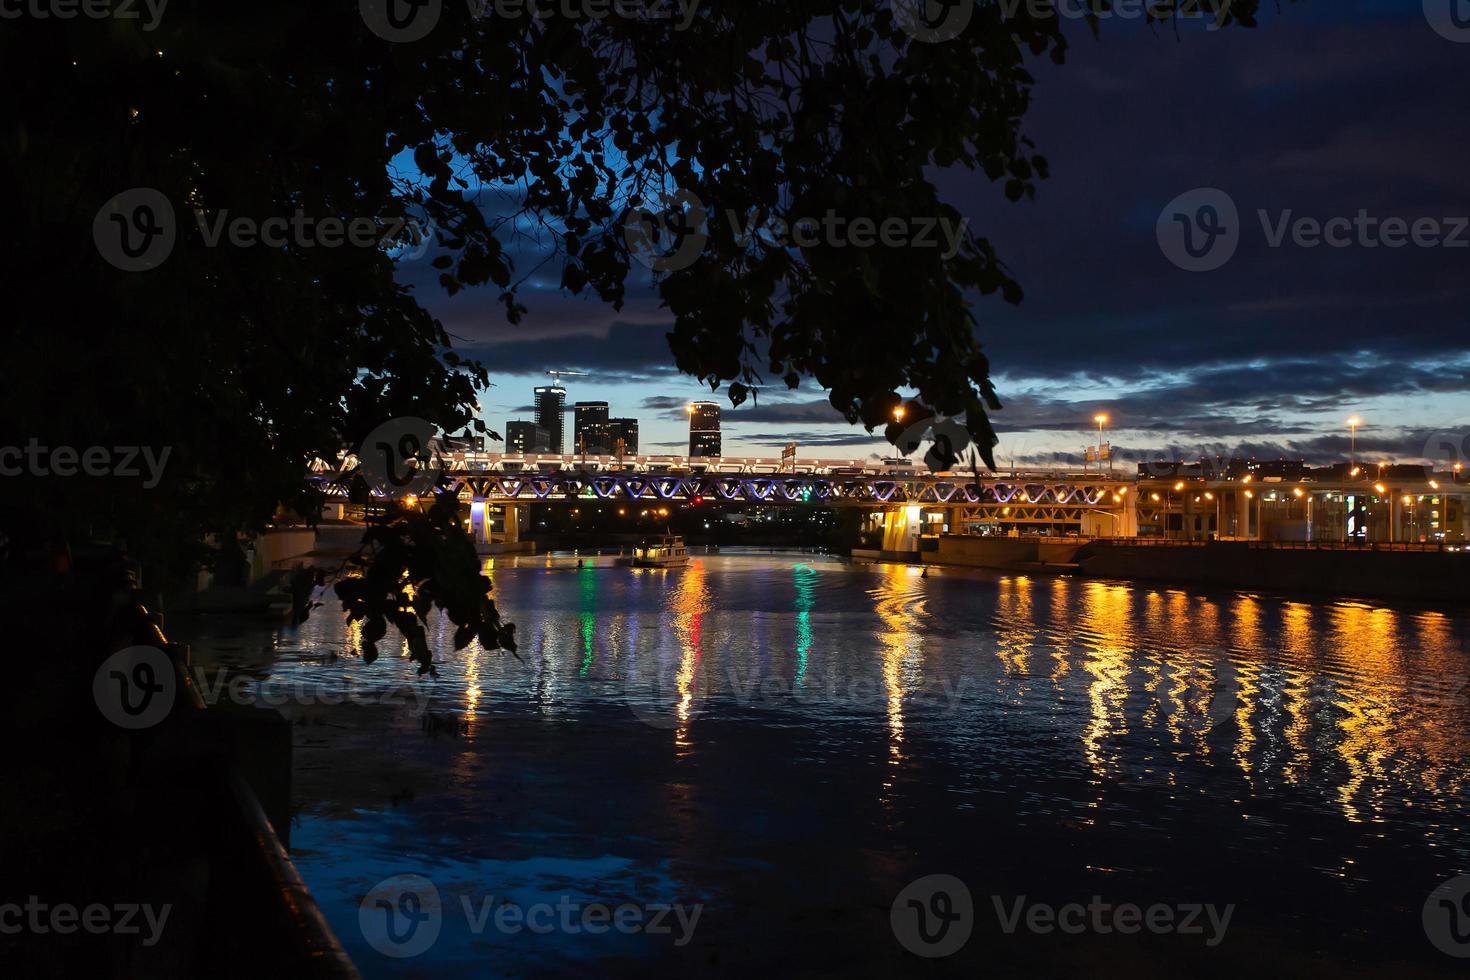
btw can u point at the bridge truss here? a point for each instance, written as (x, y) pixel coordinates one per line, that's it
(1062, 499)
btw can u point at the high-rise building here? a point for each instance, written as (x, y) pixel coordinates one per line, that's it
(627, 431)
(704, 429)
(591, 435)
(551, 402)
(525, 437)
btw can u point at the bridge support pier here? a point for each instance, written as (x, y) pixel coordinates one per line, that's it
(512, 532)
(479, 521)
(901, 529)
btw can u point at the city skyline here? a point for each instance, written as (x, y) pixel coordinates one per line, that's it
(760, 429)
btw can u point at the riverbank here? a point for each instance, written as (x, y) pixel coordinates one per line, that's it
(1371, 571)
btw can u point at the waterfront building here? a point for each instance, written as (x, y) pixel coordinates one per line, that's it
(591, 433)
(551, 403)
(626, 431)
(525, 437)
(704, 429)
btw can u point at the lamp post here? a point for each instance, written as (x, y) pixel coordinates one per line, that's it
(1101, 421)
(1353, 424)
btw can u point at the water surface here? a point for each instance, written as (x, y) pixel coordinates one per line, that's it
(787, 741)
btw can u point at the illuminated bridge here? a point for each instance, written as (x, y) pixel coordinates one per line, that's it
(908, 499)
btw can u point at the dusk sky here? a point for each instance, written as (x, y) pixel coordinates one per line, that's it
(1327, 110)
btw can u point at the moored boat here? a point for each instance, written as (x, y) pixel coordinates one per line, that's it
(667, 551)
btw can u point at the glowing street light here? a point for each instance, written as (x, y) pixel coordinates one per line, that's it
(1353, 424)
(1101, 419)
(898, 413)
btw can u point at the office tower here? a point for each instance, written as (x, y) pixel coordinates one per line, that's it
(551, 402)
(591, 432)
(627, 431)
(525, 437)
(704, 429)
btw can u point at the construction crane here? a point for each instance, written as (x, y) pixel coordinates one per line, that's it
(556, 376)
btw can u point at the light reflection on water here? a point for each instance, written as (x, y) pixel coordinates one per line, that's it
(1066, 695)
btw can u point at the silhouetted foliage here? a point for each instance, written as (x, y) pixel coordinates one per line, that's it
(248, 362)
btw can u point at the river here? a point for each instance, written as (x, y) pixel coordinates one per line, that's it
(738, 766)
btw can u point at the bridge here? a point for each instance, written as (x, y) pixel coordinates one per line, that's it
(910, 499)
(1368, 505)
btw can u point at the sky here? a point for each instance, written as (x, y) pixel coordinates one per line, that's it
(1331, 109)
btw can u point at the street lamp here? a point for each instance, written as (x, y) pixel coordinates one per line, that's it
(1353, 424)
(1102, 420)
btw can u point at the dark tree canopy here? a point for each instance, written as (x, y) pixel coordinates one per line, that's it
(247, 362)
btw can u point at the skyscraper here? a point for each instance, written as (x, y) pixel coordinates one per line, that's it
(592, 435)
(551, 402)
(524, 437)
(704, 429)
(627, 431)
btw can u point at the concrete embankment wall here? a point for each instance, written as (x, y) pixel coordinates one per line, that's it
(1003, 553)
(1432, 576)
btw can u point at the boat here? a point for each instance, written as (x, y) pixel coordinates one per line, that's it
(667, 552)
